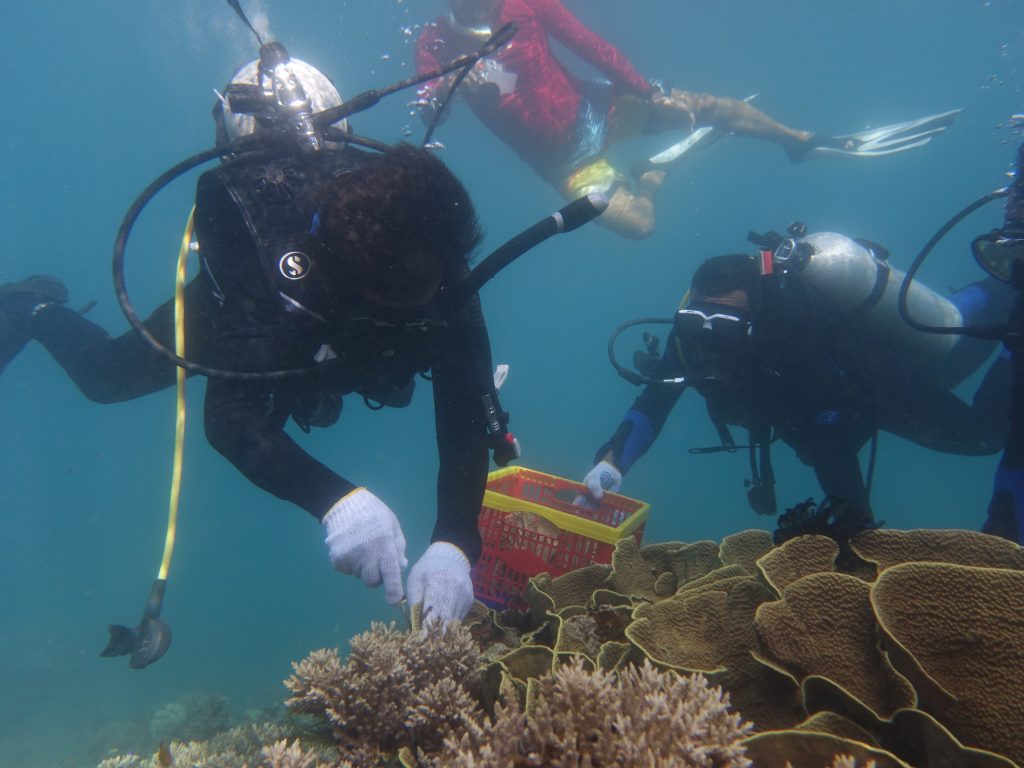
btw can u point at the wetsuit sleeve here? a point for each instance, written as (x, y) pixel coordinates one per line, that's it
(461, 433)
(245, 423)
(642, 423)
(609, 60)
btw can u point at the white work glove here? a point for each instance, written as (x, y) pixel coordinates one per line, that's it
(603, 477)
(364, 539)
(440, 581)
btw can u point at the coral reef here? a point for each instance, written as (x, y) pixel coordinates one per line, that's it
(283, 755)
(581, 717)
(192, 717)
(847, 761)
(675, 654)
(396, 689)
(277, 754)
(826, 662)
(241, 747)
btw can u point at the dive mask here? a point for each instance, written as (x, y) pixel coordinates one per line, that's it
(997, 251)
(713, 323)
(471, 19)
(711, 339)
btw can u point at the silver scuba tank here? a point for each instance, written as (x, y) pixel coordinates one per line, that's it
(867, 288)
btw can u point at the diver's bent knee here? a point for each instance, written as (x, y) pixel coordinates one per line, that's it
(628, 215)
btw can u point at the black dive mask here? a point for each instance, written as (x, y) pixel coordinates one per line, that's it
(998, 251)
(713, 340)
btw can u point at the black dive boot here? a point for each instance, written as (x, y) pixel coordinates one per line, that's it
(18, 304)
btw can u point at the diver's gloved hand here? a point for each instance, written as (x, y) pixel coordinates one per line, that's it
(605, 476)
(364, 539)
(440, 580)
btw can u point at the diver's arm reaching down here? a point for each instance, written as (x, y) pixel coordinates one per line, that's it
(461, 431)
(440, 580)
(642, 423)
(245, 423)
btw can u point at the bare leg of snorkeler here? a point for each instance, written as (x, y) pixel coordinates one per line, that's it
(631, 211)
(683, 109)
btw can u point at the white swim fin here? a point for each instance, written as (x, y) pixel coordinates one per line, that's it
(888, 139)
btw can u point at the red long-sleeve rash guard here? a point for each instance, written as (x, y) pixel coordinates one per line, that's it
(537, 118)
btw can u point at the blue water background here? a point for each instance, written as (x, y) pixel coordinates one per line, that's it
(101, 97)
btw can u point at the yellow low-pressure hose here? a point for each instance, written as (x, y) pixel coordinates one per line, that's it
(179, 424)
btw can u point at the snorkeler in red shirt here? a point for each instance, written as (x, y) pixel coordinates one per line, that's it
(560, 124)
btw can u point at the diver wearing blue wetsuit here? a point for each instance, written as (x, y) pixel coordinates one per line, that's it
(1003, 253)
(777, 358)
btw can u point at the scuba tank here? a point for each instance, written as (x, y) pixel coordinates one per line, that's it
(855, 275)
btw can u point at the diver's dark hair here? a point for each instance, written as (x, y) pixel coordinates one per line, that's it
(720, 275)
(389, 223)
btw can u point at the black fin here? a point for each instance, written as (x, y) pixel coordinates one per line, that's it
(121, 641)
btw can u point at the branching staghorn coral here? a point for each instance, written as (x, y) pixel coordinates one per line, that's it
(284, 755)
(196, 754)
(239, 747)
(638, 717)
(396, 689)
(192, 717)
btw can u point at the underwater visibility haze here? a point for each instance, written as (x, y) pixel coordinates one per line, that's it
(103, 97)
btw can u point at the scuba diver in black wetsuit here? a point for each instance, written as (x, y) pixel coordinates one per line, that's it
(783, 345)
(335, 261)
(325, 270)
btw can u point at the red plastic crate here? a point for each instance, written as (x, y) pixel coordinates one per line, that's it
(529, 525)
